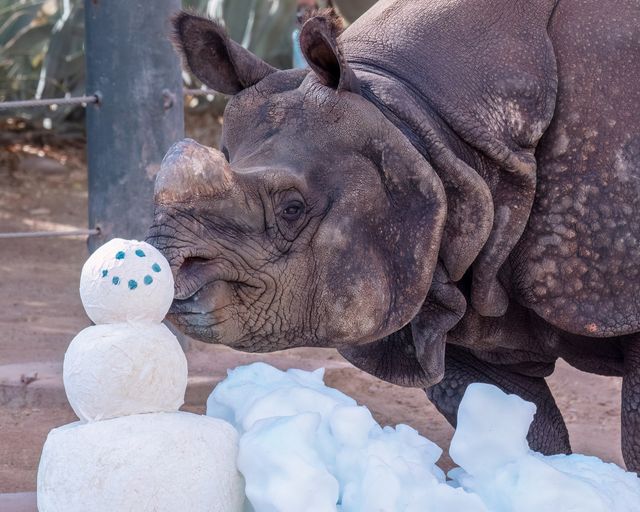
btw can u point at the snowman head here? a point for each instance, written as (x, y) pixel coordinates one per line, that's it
(126, 281)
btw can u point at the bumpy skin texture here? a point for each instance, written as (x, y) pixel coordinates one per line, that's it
(578, 262)
(451, 194)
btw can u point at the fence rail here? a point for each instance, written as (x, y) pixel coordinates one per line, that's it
(199, 92)
(50, 234)
(48, 102)
(79, 100)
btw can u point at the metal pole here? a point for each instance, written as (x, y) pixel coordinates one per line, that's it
(133, 69)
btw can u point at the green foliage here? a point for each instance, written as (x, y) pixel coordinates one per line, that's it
(19, 68)
(42, 43)
(40, 48)
(262, 26)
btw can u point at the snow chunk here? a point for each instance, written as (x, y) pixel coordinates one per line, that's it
(283, 467)
(491, 430)
(496, 464)
(305, 446)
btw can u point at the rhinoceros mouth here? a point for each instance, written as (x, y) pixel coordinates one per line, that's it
(207, 300)
(208, 314)
(205, 288)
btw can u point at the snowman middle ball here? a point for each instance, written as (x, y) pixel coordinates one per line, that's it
(121, 369)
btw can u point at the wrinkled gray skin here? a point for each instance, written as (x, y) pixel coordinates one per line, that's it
(450, 195)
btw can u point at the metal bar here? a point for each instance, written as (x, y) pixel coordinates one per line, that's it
(50, 234)
(76, 100)
(81, 100)
(130, 60)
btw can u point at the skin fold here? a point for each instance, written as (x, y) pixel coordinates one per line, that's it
(450, 194)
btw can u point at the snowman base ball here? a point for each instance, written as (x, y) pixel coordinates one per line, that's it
(165, 462)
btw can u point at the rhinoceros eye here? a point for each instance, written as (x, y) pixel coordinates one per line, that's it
(293, 211)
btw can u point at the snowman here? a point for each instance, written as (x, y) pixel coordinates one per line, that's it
(125, 378)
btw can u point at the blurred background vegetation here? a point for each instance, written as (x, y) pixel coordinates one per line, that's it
(42, 45)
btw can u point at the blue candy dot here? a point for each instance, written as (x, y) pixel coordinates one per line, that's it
(132, 284)
(148, 279)
(104, 273)
(140, 252)
(155, 267)
(115, 280)
(120, 255)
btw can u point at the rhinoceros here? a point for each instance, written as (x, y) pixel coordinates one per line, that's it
(449, 194)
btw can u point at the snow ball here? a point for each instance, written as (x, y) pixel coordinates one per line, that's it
(163, 462)
(120, 369)
(126, 281)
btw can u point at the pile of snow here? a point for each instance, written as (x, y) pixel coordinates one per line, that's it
(306, 446)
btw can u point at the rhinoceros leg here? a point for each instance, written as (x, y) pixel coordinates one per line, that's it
(547, 434)
(631, 406)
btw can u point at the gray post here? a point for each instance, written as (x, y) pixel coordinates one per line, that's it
(133, 68)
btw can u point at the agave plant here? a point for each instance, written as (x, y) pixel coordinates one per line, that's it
(41, 51)
(262, 26)
(24, 34)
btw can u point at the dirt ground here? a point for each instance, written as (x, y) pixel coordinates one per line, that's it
(40, 312)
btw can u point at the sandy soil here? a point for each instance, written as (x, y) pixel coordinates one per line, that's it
(40, 312)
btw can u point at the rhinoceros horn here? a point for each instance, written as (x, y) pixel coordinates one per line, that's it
(190, 171)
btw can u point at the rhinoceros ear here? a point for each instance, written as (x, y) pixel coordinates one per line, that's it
(320, 47)
(214, 58)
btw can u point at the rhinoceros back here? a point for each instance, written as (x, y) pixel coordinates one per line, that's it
(578, 262)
